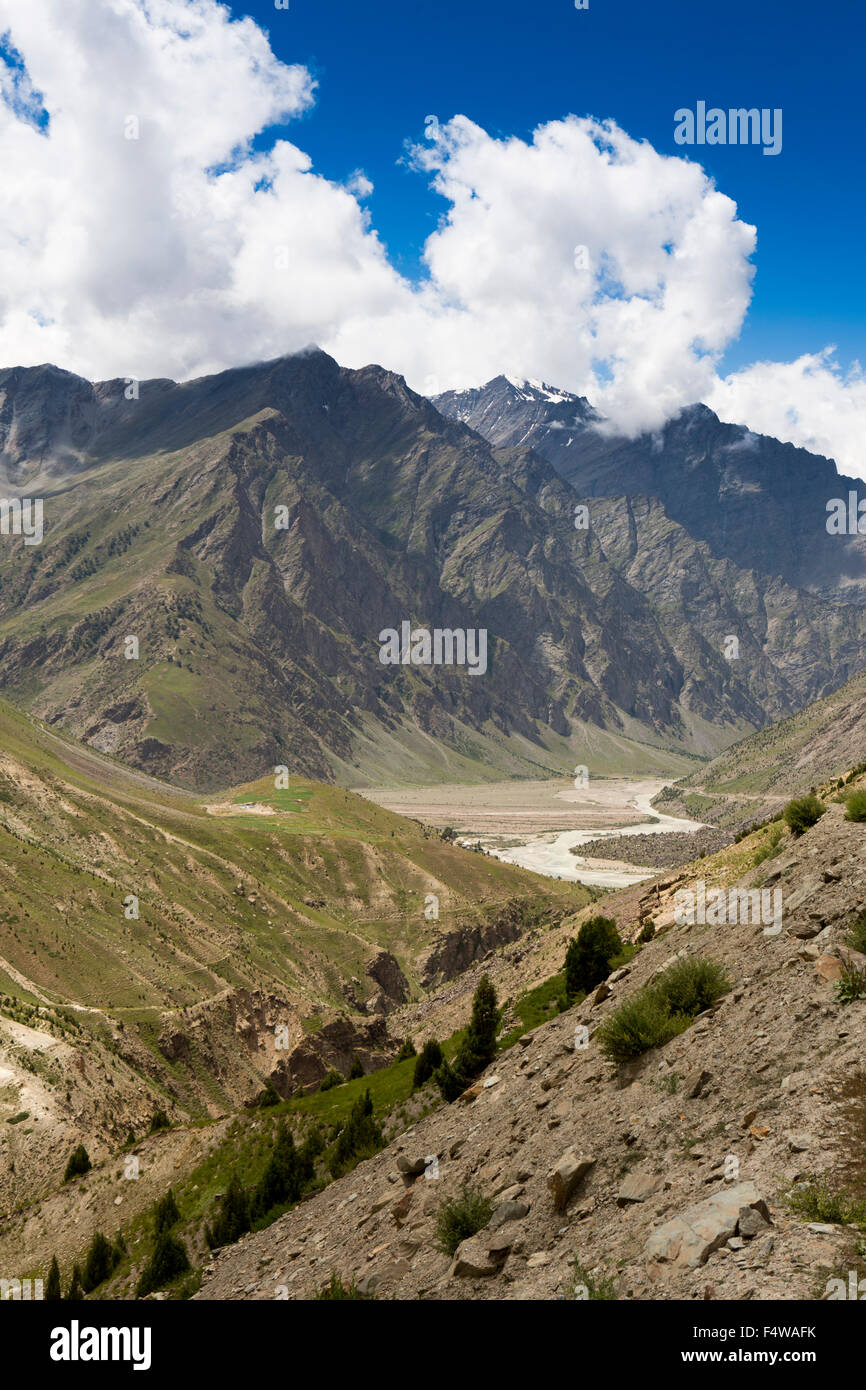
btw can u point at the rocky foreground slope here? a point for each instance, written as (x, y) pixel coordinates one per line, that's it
(668, 1176)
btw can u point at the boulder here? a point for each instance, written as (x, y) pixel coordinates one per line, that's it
(400, 1209)
(829, 968)
(507, 1211)
(751, 1222)
(638, 1187)
(474, 1260)
(411, 1167)
(687, 1241)
(799, 1143)
(702, 1080)
(804, 931)
(565, 1176)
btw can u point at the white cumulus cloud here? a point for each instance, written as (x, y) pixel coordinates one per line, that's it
(143, 232)
(811, 402)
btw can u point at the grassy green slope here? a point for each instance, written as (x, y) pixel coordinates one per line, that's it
(80, 834)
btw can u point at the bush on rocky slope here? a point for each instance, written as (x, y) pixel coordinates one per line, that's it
(461, 1217)
(662, 1009)
(802, 813)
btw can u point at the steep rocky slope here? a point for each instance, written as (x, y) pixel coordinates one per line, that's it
(819, 742)
(753, 777)
(752, 499)
(669, 1175)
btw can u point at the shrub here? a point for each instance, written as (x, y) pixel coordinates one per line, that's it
(647, 931)
(642, 1022)
(588, 958)
(407, 1050)
(356, 1069)
(690, 986)
(803, 812)
(584, 1286)
(429, 1058)
(75, 1292)
(331, 1079)
(852, 984)
(816, 1201)
(169, 1259)
(160, 1121)
(270, 1096)
(79, 1162)
(855, 806)
(662, 1009)
(461, 1217)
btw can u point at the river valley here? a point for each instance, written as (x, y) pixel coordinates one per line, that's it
(538, 825)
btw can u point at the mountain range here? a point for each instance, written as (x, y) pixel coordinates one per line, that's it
(256, 531)
(750, 498)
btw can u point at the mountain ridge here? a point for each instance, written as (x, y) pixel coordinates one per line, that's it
(257, 643)
(753, 499)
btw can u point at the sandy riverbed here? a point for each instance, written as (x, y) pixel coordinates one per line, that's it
(536, 825)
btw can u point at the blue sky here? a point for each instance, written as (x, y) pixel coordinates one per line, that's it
(510, 66)
(229, 227)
